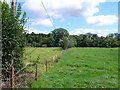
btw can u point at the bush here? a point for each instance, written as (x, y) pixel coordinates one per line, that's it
(67, 42)
(13, 36)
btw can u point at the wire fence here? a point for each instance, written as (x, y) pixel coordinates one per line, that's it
(21, 78)
(15, 79)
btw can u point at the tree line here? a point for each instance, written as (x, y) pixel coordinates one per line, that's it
(60, 38)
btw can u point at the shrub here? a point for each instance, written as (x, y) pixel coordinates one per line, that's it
(13, 36)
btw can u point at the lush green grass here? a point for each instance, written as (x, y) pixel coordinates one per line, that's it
(82, 67)
(44, 53)
(39, 56)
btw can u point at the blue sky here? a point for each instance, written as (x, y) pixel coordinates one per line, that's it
(77, 16)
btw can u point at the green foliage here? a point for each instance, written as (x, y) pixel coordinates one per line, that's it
(63, 39)
(67, 42)
(39, 40)
(82, 40)
(72, 42)
(92, 40)
(59, 34)
(13, 36)
(64, 43)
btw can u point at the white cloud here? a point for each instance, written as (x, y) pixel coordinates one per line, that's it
(99, 32)
(31, 29)
(102, 20)
(69, 8)
(42, 22)
(63, 8)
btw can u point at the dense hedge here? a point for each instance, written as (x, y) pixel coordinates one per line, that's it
(13, 37)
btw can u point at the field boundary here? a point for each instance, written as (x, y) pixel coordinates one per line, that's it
(14, 77)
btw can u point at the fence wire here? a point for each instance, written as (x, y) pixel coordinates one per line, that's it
(29, 72)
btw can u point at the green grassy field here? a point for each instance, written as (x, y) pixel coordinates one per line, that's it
(79, 68)
(43, 53)
(39, 56)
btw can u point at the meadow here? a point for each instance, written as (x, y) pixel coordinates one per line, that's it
(35, 55)
(32, 53)
(77, 68)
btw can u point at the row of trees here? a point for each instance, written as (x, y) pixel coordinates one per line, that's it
(60, 37)
(93, 40)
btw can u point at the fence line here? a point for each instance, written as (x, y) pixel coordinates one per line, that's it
(10, 82)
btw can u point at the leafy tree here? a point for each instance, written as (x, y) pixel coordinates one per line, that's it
(59, 34)
(67, 42)
(101, 40)
(72, 42)
(117, 39)
(89, 35)
(64, 42)
(13, 36)
(82, 40)
(111, 41)
(95, 40)
(49, 41)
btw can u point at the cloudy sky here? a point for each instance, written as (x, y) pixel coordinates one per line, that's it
(77, 16)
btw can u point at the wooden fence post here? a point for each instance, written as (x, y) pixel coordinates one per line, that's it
(53, 59)
(36, 74)
(7, 84)
(12, 76)
(46, 65)
(56, 57)
(50, 60)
